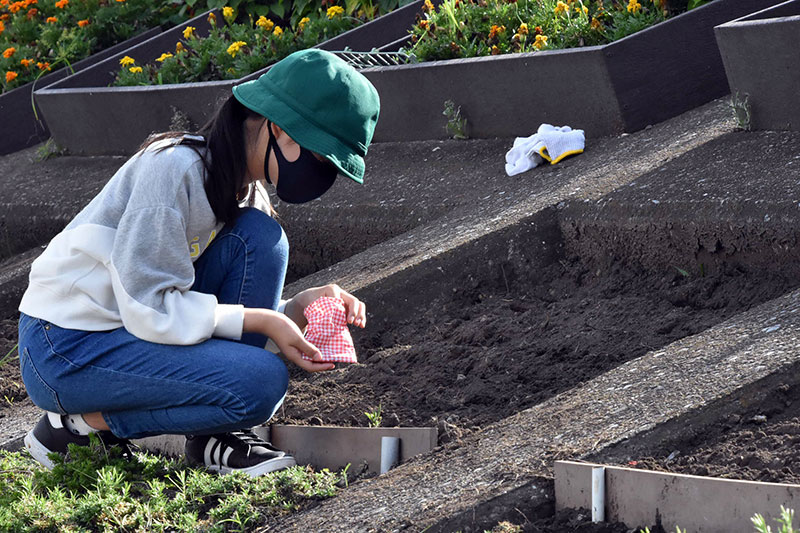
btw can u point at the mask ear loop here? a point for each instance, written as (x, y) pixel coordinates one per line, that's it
(271, 145)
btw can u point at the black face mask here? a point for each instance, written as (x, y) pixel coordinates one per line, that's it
(302, 180)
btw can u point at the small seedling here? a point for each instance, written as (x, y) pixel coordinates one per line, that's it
(456, 124)
(7, 356)
(784, 522)
(677, 530)
(682, 272)
(741, 110)
(374, 417)
(49, 149)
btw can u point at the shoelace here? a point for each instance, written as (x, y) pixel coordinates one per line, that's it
(251, 439)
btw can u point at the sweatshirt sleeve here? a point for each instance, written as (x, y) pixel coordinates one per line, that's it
(152, 272)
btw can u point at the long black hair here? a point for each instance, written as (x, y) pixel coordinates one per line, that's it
(226, 165)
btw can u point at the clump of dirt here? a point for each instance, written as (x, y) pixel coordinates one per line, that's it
(757, 444)
(564, 521)
(497, 346)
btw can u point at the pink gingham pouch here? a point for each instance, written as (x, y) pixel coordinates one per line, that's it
(327, 330)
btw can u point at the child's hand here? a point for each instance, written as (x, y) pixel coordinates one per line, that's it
(355, 308)
(285, 333)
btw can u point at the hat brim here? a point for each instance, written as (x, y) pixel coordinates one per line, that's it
(303, 130)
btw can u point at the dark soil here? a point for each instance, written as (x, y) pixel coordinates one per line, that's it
(760, 443)
(565, 521)
(11, 387)
(497, 346)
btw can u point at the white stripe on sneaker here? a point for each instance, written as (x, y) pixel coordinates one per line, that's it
(225, 457)
(208, 450)
(55, 420)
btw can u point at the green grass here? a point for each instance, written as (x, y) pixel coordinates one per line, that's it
(94, 489)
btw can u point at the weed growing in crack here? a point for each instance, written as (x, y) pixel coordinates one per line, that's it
(456, 124)
(741, 110)
(94, 489)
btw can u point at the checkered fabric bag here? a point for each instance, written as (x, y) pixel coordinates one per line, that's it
(327, 330)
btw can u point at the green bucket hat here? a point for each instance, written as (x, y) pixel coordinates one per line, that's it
(323, 103)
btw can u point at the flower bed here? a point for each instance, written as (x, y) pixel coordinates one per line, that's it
(641, 79)
(83, 111)
(761, 53)
(470, 28)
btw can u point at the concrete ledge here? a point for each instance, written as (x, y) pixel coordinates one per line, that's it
(695, 503)
(761, 53)
(19, 128)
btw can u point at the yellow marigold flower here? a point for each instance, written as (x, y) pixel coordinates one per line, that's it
(43, 66)
(495, 50)
(634, 6)
(179, 48)
(212, 19)
(303, 22)
(428, 6)
(188, 32)
(335, 11)
(83, 23)
(163, 57)
(136, 70)
(8, 52)
(234, 48)
(264, 23)
(523, 29)
(561, 7)
(541, 42)
(61, 4)
(51, 20)
(595, 24)
(227, 12)
(25, 62)
(585, 10)
(277, 32)
(11, 76)
(127, 60)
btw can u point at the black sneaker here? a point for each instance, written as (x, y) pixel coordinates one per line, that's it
(238, 451)
(52, 435)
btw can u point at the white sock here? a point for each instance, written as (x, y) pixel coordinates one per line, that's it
(77, 425)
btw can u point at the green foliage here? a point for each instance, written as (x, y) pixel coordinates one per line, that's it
(456, 124)
(741, 110)
(470, 28)
(36, 35)
(7, 357)
(375, 418)
(94, 489)
(784, 522)
(232, 50)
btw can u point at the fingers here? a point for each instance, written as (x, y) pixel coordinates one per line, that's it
(356, 309)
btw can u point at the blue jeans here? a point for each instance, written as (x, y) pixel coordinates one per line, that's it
(145, 389)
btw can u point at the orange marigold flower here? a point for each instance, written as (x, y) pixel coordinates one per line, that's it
(51, 20)
(595, 24)
(43, 66)
(61, 4)
(120, 1)
(25, 62)
(424, 24)
(83, 23)
(495, 50)
(3, 3)
(5, 16)
(2, 27)
(11, 76)
(537, 30)
(495, 30)
(8, 52)
(212, 19)
(16, 6)
(32, 12)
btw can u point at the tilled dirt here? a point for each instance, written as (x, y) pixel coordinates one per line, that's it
(760, 443)
(11, 388)
(498, 346)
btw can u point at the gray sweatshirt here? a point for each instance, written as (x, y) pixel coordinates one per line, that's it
(127, 257)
